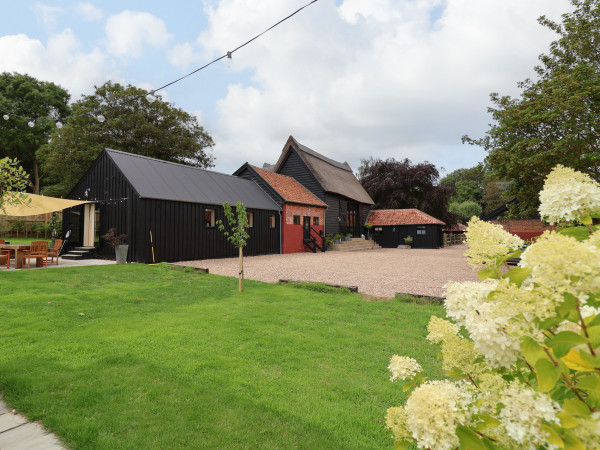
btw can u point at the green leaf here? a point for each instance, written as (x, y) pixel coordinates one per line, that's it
(567, 420)
(401, 445)
(575, 361)
(553, 437)
(567, 306)
(518, 275)
(586, 220)
(484, 274)
(576, 407)
(565, 341)
(547, 374)
(455, 374)
(594, 334)
(532, 351)
(579, 233)
(469, 439)
(595, 321)
(591, 385)
(485, 422)
(572, 443)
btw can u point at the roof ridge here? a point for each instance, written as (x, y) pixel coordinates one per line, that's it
(110, 150)
(344, 166)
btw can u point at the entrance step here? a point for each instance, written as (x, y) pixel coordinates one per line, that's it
(354, 245)
(80, 253)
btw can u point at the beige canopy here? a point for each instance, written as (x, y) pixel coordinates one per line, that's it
(34, 204)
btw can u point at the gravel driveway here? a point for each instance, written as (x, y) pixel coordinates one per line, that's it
(381, 273)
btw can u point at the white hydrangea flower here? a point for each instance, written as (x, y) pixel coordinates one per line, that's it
(403, 367)
(488, 332)
(395, 420)
(486, 242)
(524, 412)
(462, 298)
(435, 409)
(440, 330)
(588, 431)
(568, 195)
(561, 264)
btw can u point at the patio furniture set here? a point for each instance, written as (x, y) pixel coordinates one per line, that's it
(24, 253)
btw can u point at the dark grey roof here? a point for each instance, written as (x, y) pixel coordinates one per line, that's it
(163, 180)
(333, 176)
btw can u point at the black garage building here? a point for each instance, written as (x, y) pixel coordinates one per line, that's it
(391, 226)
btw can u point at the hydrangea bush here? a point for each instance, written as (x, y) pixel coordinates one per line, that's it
(522, 352)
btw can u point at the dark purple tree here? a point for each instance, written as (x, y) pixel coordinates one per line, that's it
(400, 184)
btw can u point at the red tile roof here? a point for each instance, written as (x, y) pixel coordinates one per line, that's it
(289, 188)
(382, 217)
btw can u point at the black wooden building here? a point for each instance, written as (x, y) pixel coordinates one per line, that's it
(391, 226)
(171, 208)
(348, 204)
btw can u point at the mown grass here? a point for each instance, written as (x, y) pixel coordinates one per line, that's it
(23, 241)
(134, 356)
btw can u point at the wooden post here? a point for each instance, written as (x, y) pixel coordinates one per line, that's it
(241, 276)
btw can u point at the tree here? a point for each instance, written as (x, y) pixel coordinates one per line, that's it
(465, 210)
(237, 234)
(24, 100)
(13, 182)
(400, 184)
(121, 118)
(555, 120)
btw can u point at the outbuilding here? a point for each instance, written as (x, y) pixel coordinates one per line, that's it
(169, 211)
(391, 226)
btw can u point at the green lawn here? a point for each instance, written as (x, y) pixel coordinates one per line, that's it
(24, 241)
(135, 356)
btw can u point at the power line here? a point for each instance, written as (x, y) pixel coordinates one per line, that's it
(228, 54)
(151, 95)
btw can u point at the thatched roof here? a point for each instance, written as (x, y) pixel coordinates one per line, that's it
(333, 176)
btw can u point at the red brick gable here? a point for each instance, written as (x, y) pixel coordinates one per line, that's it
(383, 217)
(289, 188)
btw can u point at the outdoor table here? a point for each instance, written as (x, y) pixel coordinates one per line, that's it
(19, 249)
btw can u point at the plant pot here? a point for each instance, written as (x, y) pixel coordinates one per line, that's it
(121, 253)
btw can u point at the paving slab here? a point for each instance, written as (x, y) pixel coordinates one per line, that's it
(16, 433)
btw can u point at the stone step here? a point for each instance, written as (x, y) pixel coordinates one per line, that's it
(73, 256)
(356, 244)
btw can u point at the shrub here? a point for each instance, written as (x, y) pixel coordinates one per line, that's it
(523, 350)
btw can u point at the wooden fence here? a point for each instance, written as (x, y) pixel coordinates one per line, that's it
(453, 239)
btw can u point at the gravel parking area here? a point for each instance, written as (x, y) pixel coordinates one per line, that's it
(381, 273)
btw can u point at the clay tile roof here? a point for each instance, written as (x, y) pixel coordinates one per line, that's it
(401, 217)
(289, 188)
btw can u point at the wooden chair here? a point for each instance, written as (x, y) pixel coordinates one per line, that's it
(53, 251)
(5, 258)
(37, 249)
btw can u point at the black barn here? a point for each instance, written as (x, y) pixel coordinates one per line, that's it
(391, 226)
(168, 206)
(348, 204)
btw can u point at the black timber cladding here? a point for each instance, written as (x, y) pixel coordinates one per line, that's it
(248, 173)
(293, 166)
(178, 227)
(393, 235)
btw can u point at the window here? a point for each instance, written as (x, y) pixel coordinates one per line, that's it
(315, 221)
(296, 220)
(271, 220)
(421, 230)
(209, 218)
(377, 230)
(250, 217)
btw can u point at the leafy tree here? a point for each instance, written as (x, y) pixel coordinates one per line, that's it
(24, 99)
(465, 210)
(555, 120)
(237, 234)
(121, 118)
(13, 182)
(400, 184)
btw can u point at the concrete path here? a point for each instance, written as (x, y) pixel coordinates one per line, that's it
(16, 433)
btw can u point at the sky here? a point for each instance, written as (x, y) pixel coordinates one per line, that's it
(350, 79)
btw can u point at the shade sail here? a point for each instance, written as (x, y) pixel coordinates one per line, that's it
(38, 204)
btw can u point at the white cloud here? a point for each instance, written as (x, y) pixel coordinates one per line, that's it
(88, 12)
(370, 78)
(60, 61)
(128, 32)
(46, 14)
